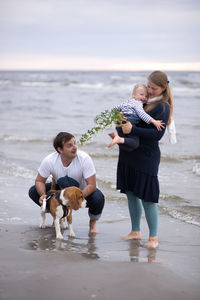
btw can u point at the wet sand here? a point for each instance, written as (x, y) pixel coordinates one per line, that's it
(36, 266)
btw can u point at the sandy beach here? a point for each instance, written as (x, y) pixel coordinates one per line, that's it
(36, 266)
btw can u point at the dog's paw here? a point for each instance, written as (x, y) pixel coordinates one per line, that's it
(72, 234)
(42, 226)
(59, 237)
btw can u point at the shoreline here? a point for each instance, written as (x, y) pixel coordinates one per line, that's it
(36, 266)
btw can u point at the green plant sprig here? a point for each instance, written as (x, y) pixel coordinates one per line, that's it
(102, 121)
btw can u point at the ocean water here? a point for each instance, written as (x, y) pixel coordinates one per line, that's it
(35, 106)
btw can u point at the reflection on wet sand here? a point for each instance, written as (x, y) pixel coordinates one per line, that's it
(95, 246)
(46, 241)
(134, 252)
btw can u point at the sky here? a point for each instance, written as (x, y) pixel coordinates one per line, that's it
(100, 35)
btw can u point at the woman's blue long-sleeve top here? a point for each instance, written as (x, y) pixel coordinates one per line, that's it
(146, 157)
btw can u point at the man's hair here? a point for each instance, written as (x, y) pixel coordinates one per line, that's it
(61, 139)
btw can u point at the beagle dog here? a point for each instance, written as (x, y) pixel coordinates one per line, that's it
(59, 203)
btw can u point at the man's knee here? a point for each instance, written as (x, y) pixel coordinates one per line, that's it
(96, 202)
(32, 192)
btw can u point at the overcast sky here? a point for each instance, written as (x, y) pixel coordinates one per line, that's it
(100, 34)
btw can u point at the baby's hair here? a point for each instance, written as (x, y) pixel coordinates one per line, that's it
(137, 87)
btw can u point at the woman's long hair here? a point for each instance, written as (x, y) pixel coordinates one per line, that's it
(160, 79)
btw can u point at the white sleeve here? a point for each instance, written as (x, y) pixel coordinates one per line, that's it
(88, 167)
(44, 169)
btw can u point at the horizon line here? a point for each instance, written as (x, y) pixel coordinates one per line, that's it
(95, 70)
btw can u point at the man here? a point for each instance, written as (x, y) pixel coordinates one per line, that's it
(69, 167)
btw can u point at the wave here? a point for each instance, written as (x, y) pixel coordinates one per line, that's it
(164, 158)
(75, 84)
(181, 215)
(179, 158)
(103, 155)
(16, 138)
(170, 197)
(170, 159)
(15, 170)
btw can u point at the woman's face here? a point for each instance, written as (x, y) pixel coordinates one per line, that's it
(154, 90)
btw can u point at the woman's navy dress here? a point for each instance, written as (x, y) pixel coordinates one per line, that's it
(137, 170)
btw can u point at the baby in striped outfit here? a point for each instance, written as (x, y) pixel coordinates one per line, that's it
(133, 108)
(134, 112)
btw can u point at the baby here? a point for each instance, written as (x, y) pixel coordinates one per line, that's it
(134, 112)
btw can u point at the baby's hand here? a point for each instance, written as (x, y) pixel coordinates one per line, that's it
(158, 124)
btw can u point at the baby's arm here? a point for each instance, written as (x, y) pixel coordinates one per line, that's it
(158, 124)
(147, 118)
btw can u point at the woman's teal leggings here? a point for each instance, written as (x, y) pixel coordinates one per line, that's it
(135, 210)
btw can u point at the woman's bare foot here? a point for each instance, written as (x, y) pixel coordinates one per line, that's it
(152, 243)
(93, 226)
(133, 235)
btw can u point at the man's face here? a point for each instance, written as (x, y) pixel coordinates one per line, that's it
(69, 149)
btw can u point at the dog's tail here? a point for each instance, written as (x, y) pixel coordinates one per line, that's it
(53, 184)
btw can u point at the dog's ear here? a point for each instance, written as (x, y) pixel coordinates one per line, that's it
(73, 197)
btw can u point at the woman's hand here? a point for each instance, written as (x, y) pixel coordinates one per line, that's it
(127, 127)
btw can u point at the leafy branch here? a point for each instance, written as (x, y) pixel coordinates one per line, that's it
(102, 121)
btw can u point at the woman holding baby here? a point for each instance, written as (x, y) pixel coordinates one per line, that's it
(137, 170)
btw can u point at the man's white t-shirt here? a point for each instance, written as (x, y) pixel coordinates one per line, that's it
(80, 168)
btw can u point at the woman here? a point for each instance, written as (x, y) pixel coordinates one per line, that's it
(137, 170)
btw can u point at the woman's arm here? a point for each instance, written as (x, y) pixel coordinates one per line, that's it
(160, 112)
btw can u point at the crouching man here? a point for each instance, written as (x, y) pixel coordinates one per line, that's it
(69, 167)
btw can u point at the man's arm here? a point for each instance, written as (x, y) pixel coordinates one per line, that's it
(40, 187)
(91, 186)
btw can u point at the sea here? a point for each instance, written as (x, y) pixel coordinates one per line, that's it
(36, 105)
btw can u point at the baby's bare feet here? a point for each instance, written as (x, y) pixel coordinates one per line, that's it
(112, 135)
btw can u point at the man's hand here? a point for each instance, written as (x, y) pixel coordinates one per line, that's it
(41, 199)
